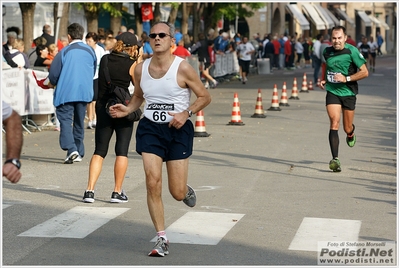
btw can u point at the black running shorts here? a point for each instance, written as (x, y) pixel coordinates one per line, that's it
(348, 102)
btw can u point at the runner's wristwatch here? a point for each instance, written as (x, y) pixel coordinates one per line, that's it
(348, 78)
(14, 161)
(190, 113)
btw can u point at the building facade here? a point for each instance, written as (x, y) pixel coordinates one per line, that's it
(307, 19)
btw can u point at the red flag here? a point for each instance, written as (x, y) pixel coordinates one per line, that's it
(146, 12)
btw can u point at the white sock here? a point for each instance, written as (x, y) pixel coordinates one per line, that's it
(162, 234)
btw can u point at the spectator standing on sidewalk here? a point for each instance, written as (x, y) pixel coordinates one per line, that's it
(299, 52)
(277, 46)
(13, 139)
(326, 43)
(269, 52)
(165, 134)
(92, 40)
(282, 51)
(287, 53)
(380, 41)
(181, 51)
(316, 58)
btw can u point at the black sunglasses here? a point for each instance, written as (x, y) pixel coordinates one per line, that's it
(161, 35)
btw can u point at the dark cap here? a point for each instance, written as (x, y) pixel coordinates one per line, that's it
(128, 39)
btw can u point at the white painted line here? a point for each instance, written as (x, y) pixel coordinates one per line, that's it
(313, 230)
(77, 222)
(7, 203)
(201, 228)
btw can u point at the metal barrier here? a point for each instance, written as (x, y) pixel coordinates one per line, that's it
(225, 64)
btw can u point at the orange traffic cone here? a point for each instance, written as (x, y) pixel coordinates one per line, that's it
(318, 82)
(259, 112)
(304, 84)
(284, 98)
(275, 106)
(310, 87)
(294, 93)
(236, 113)
(200, 130)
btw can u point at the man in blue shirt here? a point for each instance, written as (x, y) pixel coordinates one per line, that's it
(71, 73)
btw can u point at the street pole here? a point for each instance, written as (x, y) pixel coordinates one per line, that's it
(59, 16)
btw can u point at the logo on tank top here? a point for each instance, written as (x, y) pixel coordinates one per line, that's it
(162, 107)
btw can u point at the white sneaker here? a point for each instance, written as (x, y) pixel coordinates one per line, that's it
(90, 125)
(69, 159)
(78, 159)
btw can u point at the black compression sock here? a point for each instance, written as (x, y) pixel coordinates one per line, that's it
(334, 142)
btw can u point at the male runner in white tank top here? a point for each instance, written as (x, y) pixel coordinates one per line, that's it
(165, 134)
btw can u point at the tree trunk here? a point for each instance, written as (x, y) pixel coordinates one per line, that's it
(27, 12)
(64, 23)
(116, 22)
(197, 12)
(63, 20)
(173, 15)
(91, 17)
(138, 19)
(184, 21)
(157, 13)
(208, 12)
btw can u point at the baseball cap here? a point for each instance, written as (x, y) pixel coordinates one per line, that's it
(128, 39)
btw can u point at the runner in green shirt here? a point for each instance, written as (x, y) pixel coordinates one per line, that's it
(345, 66)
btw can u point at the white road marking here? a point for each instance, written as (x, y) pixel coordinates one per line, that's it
(201, 228)
(7, 203)
(77, 222)
(313, 230)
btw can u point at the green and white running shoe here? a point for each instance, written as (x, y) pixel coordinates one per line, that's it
(335, 165)
(351, 141)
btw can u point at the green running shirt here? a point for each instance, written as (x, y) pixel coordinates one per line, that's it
(346, 62)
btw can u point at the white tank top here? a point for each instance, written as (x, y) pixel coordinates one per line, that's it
(163, 95)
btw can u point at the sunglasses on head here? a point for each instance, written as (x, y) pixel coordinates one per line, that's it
(161, 35)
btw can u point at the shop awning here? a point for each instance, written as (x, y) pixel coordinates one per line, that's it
(378, 22)
(299, 17)
(364, 17)
(343, 16)
(314, 16)
(324, 15)
(332, 16)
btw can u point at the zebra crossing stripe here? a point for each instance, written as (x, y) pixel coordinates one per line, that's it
(313, 230)
(201, 228)
(77, 222)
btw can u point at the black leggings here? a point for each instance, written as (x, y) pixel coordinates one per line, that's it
(105, 128)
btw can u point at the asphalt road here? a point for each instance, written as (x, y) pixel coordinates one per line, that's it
(270, 176)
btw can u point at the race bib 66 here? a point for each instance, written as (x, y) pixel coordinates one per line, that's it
(158, 112)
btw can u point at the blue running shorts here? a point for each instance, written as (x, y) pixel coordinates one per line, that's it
(167, 143)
